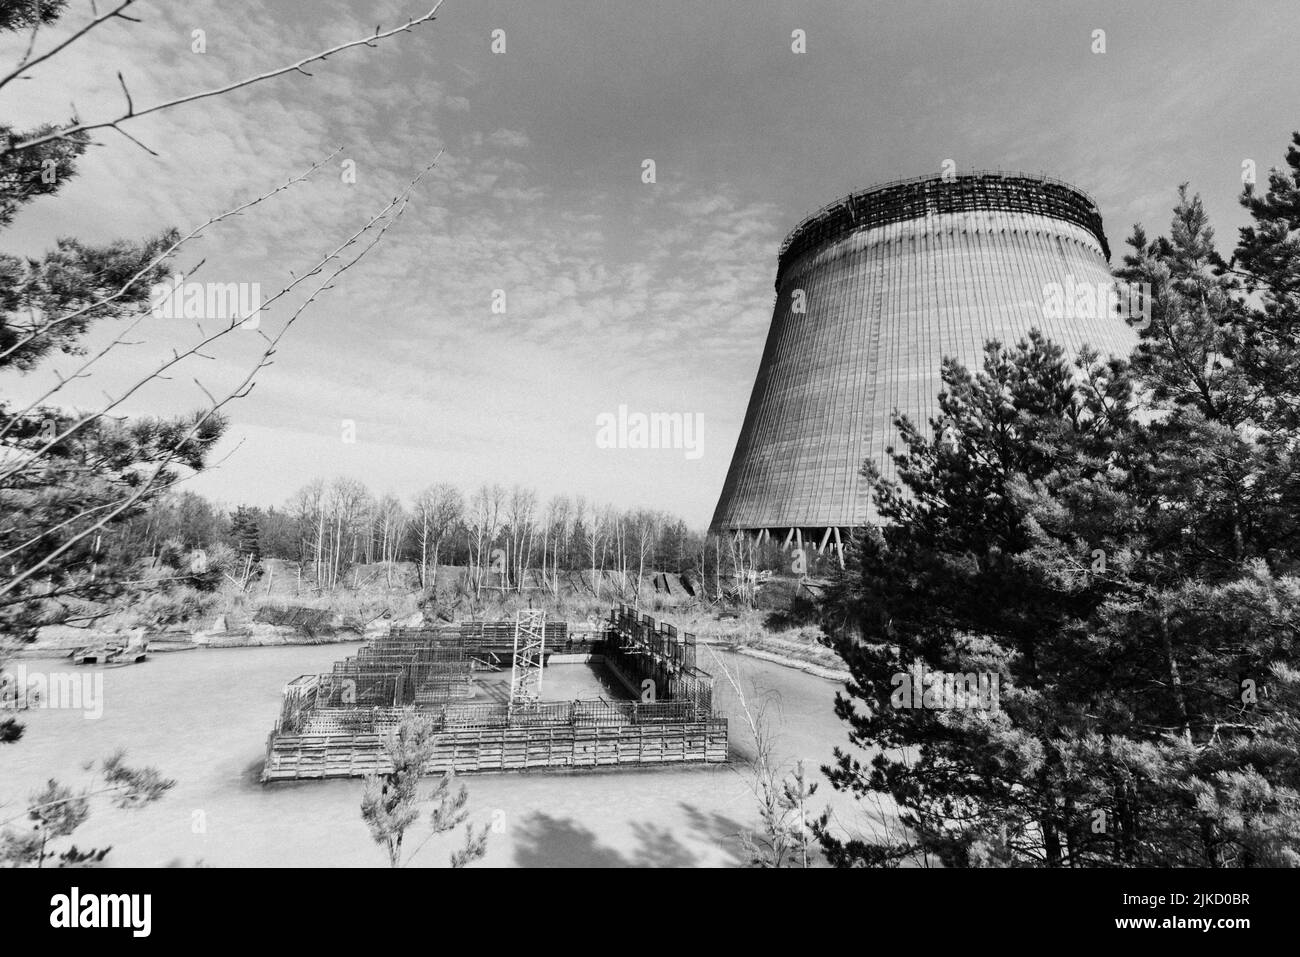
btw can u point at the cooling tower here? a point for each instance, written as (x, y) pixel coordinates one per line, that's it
(871, 293)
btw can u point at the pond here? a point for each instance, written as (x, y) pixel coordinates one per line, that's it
(203, 717)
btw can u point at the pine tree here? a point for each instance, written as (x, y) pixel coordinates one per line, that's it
(57, 810)
(1115, 544)
(64, 470)
(245, 527)
(392, 801)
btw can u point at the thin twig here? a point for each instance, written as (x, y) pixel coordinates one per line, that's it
(221, 333)
(27, 62)
(397, 206)
(163, 256)
(73, 128)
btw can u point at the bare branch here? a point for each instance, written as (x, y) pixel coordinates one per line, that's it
(136, 141)
(27, 62)
(394, 210)
(81, 372)
(162, 256)
(235, 323)
(130, 104)
(73, 128)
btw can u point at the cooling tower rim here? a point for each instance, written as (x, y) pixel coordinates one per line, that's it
(917, 196)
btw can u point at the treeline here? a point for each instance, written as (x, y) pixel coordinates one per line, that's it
(499, 534)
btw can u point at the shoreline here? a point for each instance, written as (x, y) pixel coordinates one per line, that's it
(808, 667)
(64, 648)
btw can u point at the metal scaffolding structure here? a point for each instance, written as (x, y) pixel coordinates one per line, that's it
(334, 725)
(652, 656)
(923, 196)
(528, 659)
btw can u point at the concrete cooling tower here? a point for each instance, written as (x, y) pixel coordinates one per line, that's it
(871, 293)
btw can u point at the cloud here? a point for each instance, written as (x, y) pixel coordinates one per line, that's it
(408, 346)
(656, 296)
(509, 139)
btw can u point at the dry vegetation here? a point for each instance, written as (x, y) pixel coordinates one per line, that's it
(283, 605)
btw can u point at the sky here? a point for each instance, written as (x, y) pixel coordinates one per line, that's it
(617, 292)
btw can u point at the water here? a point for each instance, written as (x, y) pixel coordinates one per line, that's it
(203, 717)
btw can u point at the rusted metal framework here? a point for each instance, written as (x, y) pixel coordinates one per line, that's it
(334, 725)
(483, 636)
(394, 672)
(922, 196)
(642, 650)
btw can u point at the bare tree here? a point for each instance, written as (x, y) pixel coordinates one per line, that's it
(346, 505)
(483, 526)
(743, 552)
(519, 522)
(594, 540)
(574, 557)
(616, 526)
(556, 534)
(438, 510)
(308, 510)
(391, 527)
(786, 837)
(645, 531)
